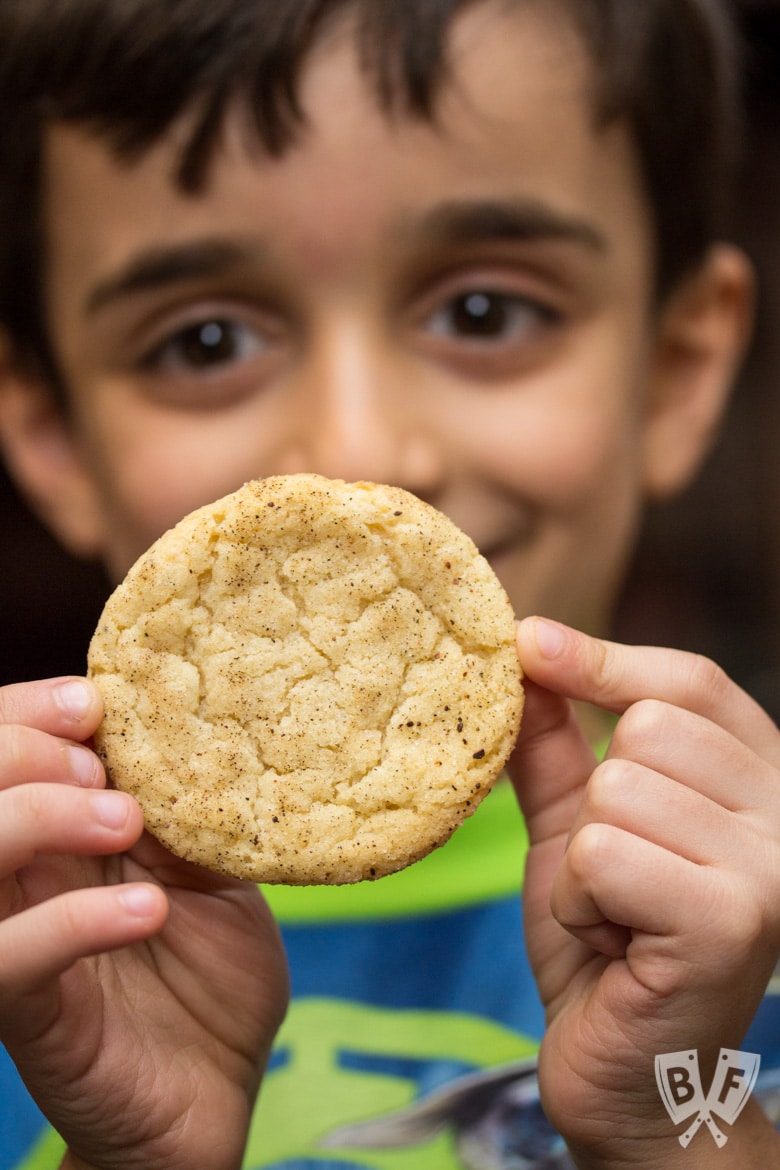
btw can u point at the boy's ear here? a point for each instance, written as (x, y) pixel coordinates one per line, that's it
(702, 337)
(42, 455)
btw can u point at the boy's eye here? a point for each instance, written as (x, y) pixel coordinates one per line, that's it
(206, 345)
(202, 345)
(480, 314)
(487, 316)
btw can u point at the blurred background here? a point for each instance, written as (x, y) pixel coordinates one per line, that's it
(707, 573)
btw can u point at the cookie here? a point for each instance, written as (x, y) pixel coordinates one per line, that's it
(308, 681)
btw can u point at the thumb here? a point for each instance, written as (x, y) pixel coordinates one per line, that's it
(551, 763)
(549, 767)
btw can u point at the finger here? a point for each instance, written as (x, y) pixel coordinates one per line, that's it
(45, 941)
(50, 818)
(549, 768)
(29, 756)
(613, 677)
(550, 764)
(613, 888)
(699, 754)
(69, 706)
(679, 819)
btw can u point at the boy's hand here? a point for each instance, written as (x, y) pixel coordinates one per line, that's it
(661, 866)
(139, 995)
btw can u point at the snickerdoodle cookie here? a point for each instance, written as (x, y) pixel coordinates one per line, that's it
(308, 681)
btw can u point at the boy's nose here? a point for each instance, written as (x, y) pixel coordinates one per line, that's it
(363, 415)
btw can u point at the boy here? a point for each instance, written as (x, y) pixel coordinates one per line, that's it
(438, 245)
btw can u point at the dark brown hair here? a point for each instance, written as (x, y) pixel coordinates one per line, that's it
(128, 69)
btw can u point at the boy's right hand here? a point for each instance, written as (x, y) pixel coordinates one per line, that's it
(652, 888)
(133, 985)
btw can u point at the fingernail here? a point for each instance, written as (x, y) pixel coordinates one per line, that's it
(550, 638)
(140, 901)
(74, 698)
(110, 809)
(83, 765)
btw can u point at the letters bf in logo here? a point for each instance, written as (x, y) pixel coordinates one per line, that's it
(679, 1083)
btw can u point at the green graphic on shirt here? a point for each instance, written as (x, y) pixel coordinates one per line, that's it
(314, 1092)
(45, 1155)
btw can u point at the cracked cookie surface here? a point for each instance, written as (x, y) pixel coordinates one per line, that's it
(308, 681)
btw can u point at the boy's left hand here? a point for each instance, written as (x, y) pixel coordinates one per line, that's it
(661, 866)
(141, 1029)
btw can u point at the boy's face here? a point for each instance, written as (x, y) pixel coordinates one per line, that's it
(462, 309)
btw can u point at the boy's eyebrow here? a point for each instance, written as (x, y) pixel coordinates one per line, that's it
(456, 222)
(156, 267)
(475, 221)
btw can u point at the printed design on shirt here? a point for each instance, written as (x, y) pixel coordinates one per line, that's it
(338, 1063)
(773, 987)
(46, 1154)
(495, 1117)
(48, 1150)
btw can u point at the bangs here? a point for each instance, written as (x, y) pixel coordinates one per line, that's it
(128, 71)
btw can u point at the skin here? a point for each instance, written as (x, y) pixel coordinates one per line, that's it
(660, 867)
(347, 347)
(337, 299)
(79, 878)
